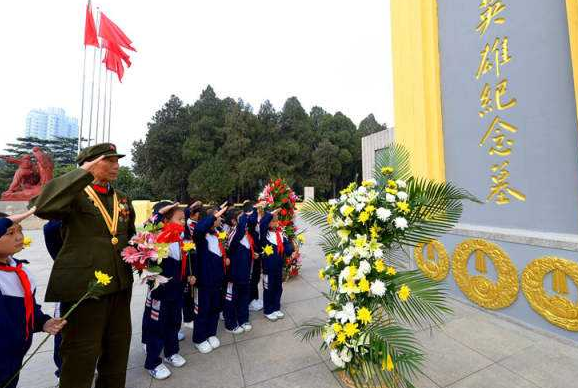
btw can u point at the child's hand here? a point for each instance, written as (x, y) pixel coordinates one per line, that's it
(227, 262)
(192, 280)
(274, 212)
(54, 325)
(255, 256)
(167, 208)
(17, 218)
(220, 212)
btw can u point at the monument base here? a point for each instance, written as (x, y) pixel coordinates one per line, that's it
(22, 195)
(15, 207)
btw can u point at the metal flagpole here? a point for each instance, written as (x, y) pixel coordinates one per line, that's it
(104, 105)
(92, 87)
(109, 105)
(82, 101)
(98, 95)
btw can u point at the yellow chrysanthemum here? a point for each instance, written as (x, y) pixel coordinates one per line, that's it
(330, 218)
(27, 241)
(337, 328)
(348, 210)
(360, 241)
(391, 184)
(379, 266)
(162, 251)
(333, 284)
(188, 246)
(391, 191)
(387, 170)
(403, 206)
(387, 365)
(368, 183)
(102, 278)
(329, 258)
(391, 271)
(364, 315)
(222, 235)
(363, 285)
(404, 292)
(374, 231)
(363, 217)
(321, 274)
(341, 338)
(350, 329)
(268, 250)
(301, 238)
(370, 209)
(352, 272)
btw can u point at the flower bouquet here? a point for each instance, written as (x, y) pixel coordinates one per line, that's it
(278, 195)
(374, 300)
(145, 252)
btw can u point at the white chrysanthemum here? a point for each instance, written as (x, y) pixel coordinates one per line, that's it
(364, 268)
(402, 196)
(383, 214)
(400, 223)
(362, 190)
(336, 359)
(401, 184)
(348, 222)
(390, 197)
(359, 206)
(342, 198)
(331, 313)
(378, 288)
(378, 253)
(345, 355)
(332, 202)
(347, 258)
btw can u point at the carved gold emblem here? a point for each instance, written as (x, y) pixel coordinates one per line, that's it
(478, 288)
(432, 268)
(556, 309)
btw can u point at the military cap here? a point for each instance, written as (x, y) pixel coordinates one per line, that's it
(93, 152)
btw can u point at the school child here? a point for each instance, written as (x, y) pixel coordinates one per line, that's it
(20, 315)
(53, 240)
(208, 274)
(162, 316)
(275, 248)
(241, 254)
(257, 212)
(192, 215)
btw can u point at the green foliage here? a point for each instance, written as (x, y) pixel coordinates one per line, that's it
(133, 186)
(223, 135)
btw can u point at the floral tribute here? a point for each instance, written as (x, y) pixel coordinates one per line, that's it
(278, 195)
(373, 299)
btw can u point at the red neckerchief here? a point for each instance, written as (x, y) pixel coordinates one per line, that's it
(251, 244)
(280, 247)
(171, 233)
(223, 251)
(100, 189)
(28, 299)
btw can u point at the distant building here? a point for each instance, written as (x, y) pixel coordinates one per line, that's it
(50, 124)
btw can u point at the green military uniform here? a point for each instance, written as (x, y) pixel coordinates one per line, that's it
(98, 330)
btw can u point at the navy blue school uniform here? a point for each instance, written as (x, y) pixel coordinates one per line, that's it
(209, 270)
(53, 240)
(162, 316)
(188, 302)
(237, 296)
(273, 264)
(16, 329)
(253, 226)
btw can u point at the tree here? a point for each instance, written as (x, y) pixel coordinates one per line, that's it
(211, 181)
(133, 186)
(369, 125)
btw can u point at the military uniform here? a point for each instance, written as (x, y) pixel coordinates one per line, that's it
(98, 330)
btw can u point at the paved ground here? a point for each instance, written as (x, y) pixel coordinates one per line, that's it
(473, 349)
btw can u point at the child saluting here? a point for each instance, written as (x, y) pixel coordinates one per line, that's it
(20, 315)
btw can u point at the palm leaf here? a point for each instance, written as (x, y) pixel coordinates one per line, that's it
(396, 156)
(310, 329)
(315, 213)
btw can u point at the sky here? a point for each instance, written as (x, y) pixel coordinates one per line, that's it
(332, 53)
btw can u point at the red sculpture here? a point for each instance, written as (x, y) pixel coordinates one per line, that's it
(30, 177)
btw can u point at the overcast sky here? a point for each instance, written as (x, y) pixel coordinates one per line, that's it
(331, 53)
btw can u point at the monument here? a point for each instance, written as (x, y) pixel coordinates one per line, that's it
(487, 98)
(33, 172)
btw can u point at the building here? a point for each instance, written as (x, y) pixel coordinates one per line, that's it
(50, 124)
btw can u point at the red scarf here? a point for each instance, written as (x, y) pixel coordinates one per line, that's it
(223, 251)
(280, 247)
(251, 244)
(171, 233)
(28, 298)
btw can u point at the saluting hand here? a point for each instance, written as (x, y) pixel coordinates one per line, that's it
(167, 208)
(221, 212)
(54, 325)
(89, 166)
(17, 218)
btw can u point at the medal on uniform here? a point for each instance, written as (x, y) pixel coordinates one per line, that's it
(111, 222)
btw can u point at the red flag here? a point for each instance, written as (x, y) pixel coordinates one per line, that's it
(114, 63)
(90, 38)
(116, 49)
(111, 32)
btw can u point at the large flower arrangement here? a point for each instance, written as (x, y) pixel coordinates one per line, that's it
(374, 300)
(278, 195)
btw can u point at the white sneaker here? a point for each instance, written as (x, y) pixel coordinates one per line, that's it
(279, 314)
(204, 347)
(144, 347)
(161, 372)
(189, 325)
(181, 335)
(214, 342)
(221, 317)
(237, 330)
(176, 360)
(272, 317)
(255, 305)
(247, 327)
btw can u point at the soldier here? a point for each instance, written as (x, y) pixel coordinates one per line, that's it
(97, 223)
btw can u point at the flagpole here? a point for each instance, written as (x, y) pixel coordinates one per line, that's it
(92, 87)
(104, 105)
(109, 106)
(98, 95)
(79, 147)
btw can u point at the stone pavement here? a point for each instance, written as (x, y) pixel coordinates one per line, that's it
(474, 349)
